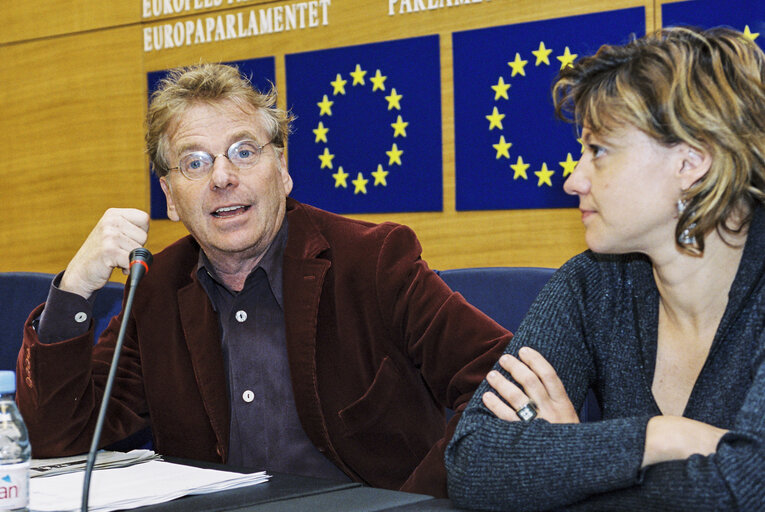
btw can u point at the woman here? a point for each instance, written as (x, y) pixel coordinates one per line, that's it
(664, 316)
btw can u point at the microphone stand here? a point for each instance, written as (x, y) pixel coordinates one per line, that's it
(142, 257)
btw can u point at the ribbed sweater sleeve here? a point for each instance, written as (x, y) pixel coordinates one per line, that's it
(499, 465)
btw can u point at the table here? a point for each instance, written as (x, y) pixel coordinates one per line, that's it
(291, 493)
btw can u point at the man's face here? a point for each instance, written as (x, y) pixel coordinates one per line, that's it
(232, 213)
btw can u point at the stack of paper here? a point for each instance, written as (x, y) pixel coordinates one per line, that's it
(132, 486)
(104, 459)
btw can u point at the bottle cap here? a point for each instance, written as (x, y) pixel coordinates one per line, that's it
(7, 381)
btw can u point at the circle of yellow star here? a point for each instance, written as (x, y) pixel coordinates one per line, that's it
(520, 169)
(325, 106)
(567, 59)
(360, 184)
(517, 65)
(399, 127)
(544, 175)
(340, 177)
(568, 165)
(542, 54)
(321, 133)
(502, 147)
(394, 155)
(380, 175)
(500, 90)
(326, 159)
(358, 75)
(495, 119)
(338, 85)
(378, 81)
(394, 99)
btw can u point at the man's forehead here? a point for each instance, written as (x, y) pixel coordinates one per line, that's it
(202, 117)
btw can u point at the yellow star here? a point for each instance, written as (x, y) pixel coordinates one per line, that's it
(378, 81)
(581, 143)
(495, 119)
(518, 65)
(380, 175)
(502, 147)
(325, 106)
(361, 184)
(339, 85)
(500, 90)
(751, 35)
(340, 177)
(321, 133)
(394, 155)
(358, 75)
(520, 169)
(326, 159)
(544, 175)
(399, 127)
(567, 59)
(393, 100)
(542, 54)
(568, 165)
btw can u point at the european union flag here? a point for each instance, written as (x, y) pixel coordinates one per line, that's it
(748, 16)
(367, 137)
(511, 151)
(261, 73)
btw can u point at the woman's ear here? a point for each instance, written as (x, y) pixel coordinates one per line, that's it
(695, 164)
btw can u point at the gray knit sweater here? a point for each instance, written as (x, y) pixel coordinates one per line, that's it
(596, 322)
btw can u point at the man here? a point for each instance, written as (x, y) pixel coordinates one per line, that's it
(275, 336)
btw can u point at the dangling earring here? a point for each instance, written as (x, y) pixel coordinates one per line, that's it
(685, 237)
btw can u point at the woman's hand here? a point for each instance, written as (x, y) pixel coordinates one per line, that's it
(677, 438)
(540, 383)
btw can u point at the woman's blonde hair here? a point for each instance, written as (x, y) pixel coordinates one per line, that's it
(701, 87)
(209, 83)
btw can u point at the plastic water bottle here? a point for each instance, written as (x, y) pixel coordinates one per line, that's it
(15, 451)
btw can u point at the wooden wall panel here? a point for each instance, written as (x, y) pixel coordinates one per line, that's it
(28, 20)
(84, 92)
(72, 135)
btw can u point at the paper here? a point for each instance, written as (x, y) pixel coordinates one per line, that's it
(133, 486)
(104, 459)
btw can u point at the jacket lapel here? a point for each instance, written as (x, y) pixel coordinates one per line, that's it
(304, 274)
(201, 331)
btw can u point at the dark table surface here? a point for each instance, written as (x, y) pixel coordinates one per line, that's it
(297, 493)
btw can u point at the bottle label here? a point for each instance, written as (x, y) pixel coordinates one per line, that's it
(14, 485)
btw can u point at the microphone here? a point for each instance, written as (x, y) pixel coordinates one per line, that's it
(140, 260)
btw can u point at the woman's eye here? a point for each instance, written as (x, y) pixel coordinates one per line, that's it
(596, 150)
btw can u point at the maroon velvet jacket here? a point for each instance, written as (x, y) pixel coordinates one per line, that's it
(378, 346)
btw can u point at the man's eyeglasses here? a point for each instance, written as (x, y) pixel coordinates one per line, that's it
(198, 165)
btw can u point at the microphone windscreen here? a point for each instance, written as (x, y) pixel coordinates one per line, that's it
(140, 260)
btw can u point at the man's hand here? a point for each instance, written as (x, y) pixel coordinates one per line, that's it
(108, 246)
(540, 383)
(677, 438)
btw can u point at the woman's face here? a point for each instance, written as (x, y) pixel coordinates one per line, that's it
(628, 186)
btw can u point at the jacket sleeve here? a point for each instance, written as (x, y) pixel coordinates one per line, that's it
(452, 343)
(60, 386)
(493, 464)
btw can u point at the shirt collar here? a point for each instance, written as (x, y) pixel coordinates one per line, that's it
(272, 264)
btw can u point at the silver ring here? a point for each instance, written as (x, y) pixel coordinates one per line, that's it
(528, 412)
